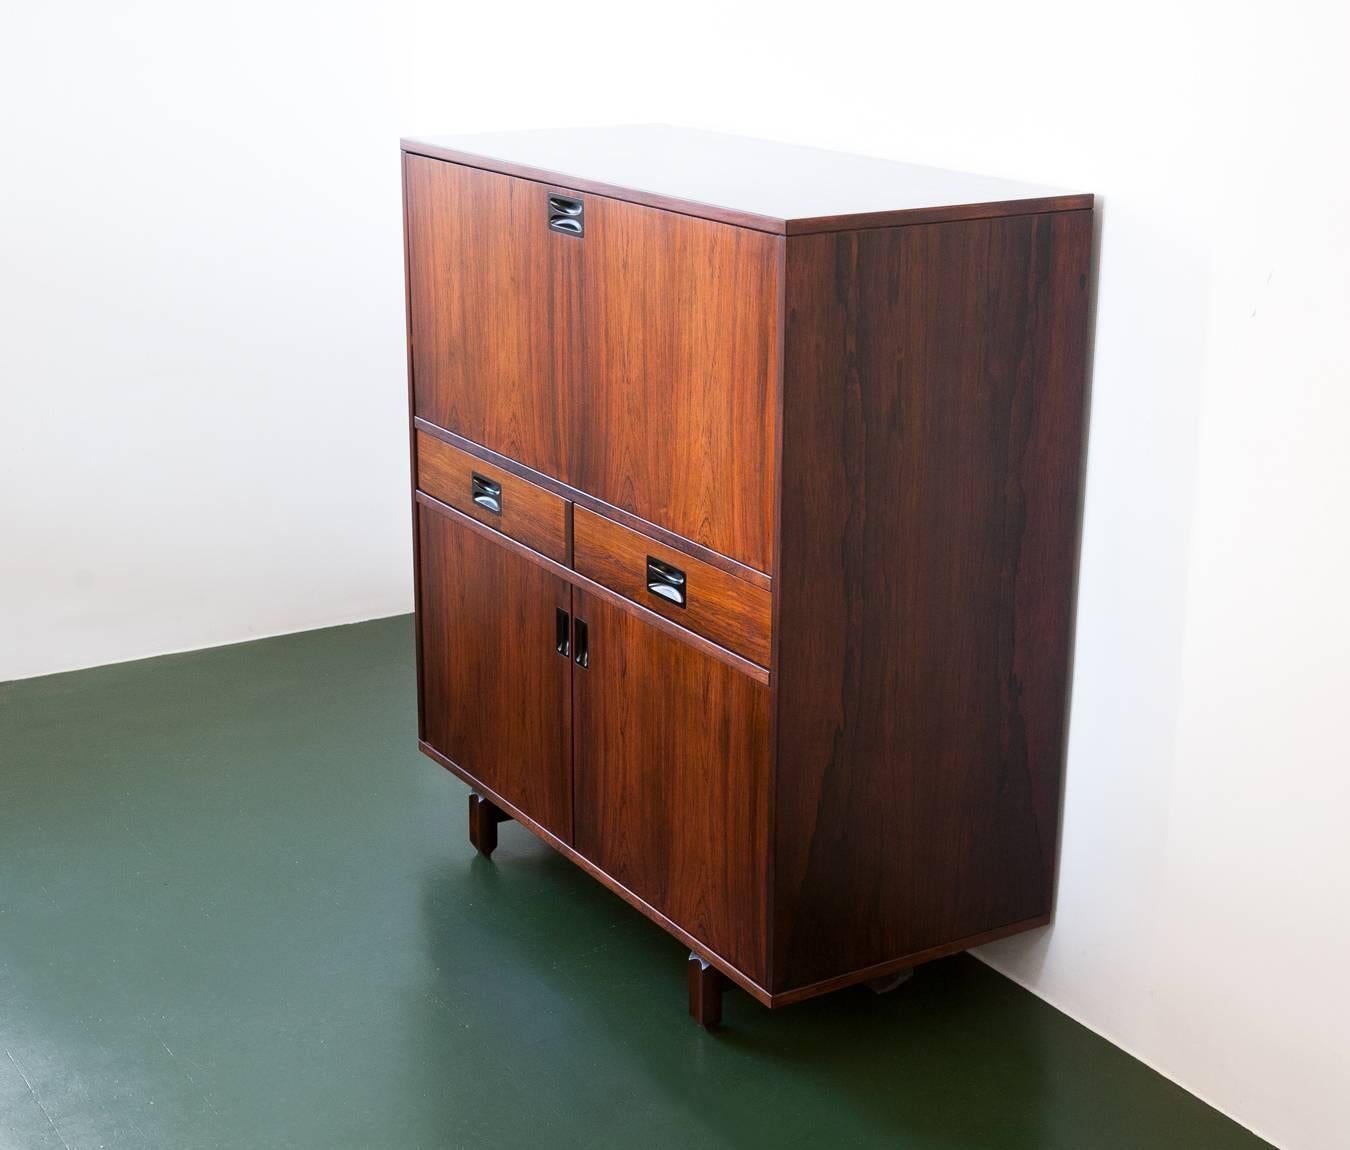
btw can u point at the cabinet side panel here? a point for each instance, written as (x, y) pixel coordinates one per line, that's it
(932, 437)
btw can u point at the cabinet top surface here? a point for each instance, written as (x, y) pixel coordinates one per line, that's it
(775, 187)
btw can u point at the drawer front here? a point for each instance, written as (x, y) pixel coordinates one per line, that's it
(511, 505)
(731, 612)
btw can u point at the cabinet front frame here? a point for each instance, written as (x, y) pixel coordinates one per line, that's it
(421, 503)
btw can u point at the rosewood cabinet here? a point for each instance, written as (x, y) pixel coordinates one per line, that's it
(746, 490)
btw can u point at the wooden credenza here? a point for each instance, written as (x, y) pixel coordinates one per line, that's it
(746, 509)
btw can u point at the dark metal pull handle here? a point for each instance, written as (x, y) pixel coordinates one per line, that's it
(666, 582)
(486, 493)
(581, 646)
(562, 632)
(565, 214)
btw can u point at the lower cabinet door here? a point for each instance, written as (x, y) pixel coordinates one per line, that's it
(496, 691)
(671, 779)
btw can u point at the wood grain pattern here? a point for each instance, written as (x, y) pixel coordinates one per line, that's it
(573, 494)
(496, 694)
(536, 517)
(759, 993)
(495, 304)
(576, 579)
(933, 407)
(675, 417)
(729, 611)
(608, 881)
(671, 780)
(812, 778)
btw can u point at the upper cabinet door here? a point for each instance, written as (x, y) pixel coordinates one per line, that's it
(676, 408)
(494, 307)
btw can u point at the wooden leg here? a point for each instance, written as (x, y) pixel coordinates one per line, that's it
(705, 993)
(483, 819)
(888, 982)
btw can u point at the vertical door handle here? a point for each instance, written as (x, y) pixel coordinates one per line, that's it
(562, 633)
(566, 215)
(581, 646)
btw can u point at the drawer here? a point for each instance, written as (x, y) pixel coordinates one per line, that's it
(514, 506)
(722, 607)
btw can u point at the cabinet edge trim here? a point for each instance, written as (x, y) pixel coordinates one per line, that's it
(739, 217)
(732, 217)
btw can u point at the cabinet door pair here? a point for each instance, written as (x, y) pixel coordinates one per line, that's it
(650, 760)
(636, 361)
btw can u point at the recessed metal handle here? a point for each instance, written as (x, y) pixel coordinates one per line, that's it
(581, 644)
(562, 633)
(486, 493)
(666, 582)
(566, 215)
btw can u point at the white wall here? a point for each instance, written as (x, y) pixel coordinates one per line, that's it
(202, 416)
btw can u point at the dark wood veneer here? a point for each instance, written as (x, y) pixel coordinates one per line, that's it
(536, 517)
(548, 838)
(599, 506)
(576, 579)
(675, 418)
(496, 696)
(729, 611)
(495, 301)
(671, 780)
(931, 445)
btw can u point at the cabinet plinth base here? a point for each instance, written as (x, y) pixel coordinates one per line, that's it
(483, 819)
(706, 984)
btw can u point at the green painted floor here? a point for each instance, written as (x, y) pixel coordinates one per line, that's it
(237, 909)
